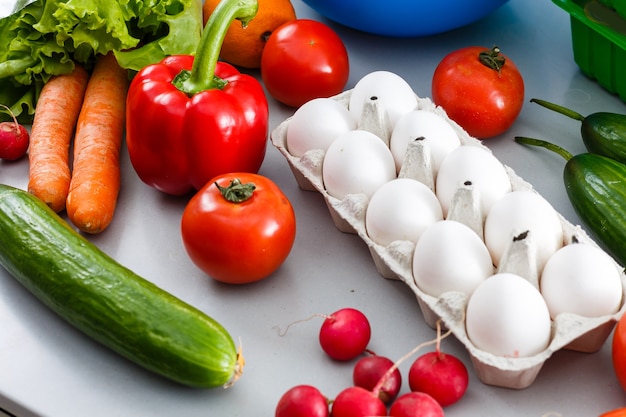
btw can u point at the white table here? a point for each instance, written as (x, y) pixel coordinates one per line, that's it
(49, 369)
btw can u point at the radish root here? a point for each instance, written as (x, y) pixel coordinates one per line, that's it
(282, 333)
(436, 341)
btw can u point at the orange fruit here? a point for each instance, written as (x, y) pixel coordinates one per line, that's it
(243, 46)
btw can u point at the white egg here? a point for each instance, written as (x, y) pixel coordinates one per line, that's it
(449, 256)
(395, 94)
(436, 131)
(357, 162)
(400, 210)
(581, 279)
(316, 124)
(518, 212)
(507, 316)
(475, 165)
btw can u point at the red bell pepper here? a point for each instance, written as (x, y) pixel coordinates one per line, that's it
(190, 119)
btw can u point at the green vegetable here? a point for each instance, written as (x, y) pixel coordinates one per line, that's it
(46, 37)
(603, 133)
(109, 302)
(596, 187)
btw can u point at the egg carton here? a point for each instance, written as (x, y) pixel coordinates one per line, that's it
(569, 331)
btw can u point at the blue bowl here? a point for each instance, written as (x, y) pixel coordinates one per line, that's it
(404, 18)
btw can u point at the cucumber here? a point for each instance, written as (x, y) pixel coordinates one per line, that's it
(602, 133)
(108, 301)
(596, 188)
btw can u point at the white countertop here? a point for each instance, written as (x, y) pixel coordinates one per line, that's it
(50, 369)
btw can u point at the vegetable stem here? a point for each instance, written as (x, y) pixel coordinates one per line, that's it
(545, 144)
(237, 192)
(202, 76)
(559, 109)
(492, 59)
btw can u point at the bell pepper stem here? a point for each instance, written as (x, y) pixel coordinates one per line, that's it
(202, 76)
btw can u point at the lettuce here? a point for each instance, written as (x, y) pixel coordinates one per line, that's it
(47, 37)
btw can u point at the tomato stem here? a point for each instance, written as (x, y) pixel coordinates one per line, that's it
(492, 58)
(237, 192)
(545, 144)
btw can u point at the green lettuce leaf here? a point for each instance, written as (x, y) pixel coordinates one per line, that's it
(48, 37)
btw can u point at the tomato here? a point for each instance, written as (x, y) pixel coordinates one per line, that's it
(618, 412)
(483, 99)
(619, 351)
(238, 242)
(302, 60)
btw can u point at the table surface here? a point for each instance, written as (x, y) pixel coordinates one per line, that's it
(47, 368)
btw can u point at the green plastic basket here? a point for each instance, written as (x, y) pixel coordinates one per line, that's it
(599, 43)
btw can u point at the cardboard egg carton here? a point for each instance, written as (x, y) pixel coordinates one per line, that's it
(569, 331)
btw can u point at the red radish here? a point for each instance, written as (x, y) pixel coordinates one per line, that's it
(302, 401)
(344, 335)
(442, 376)
(414, 404)
(357, 402)
(369, 370)
(14, 138)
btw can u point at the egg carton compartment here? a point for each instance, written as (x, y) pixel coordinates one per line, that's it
(568, 331)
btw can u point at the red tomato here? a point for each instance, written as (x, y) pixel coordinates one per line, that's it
(619, 412)
(619, 351)
(238, 242)
(484, 101)
(302, 60)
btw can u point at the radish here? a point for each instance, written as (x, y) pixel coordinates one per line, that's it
(414, 404)
(369, 370)
(357, 402)
(14, 138)
(302, 401)
(344, 335)
(442, 376)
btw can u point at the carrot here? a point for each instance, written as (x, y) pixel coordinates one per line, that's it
(95, 182)
(55, 119)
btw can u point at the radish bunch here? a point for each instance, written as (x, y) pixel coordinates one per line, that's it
(436, 379)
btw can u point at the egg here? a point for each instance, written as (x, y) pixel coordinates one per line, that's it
(449, 256)
(305, 132)
(507, 316)
(357, 162)
(401, 210)
(581, 279)
(436, 131)
(475, 165)
(390, 89)
(519, 212)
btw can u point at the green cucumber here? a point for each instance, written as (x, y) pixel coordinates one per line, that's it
(108, 301)
(596, 187)
(603, 133)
